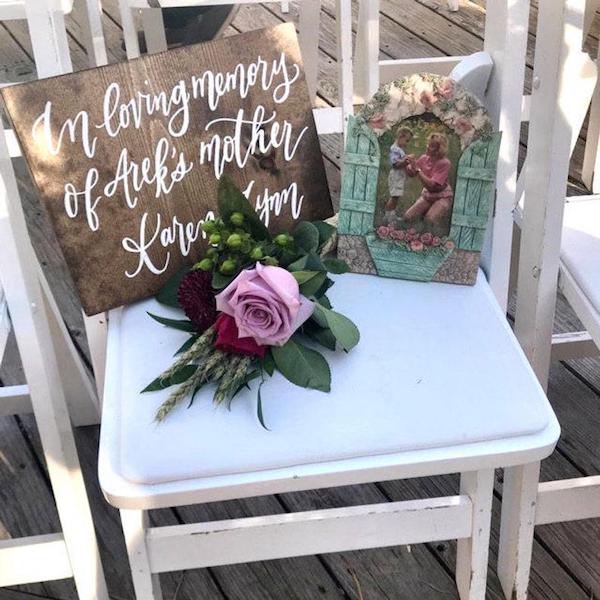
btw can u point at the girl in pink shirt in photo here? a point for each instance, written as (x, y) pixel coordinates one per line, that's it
(433, 169)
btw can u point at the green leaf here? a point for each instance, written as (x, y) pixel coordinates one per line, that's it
(323, 289)
(231, 199)
(325, 231)
(324, 301)
(268, 364)
(244, 384)
(335, 265)
(298, 265)
(178, 377)
(193, 396)
(344, 330)
(220, 282)
(313, 285)
(302, 366)
(188, 344)
(259, 410)
(183, 324)
(321, 335)
(309, 262)
(306, 236)
(303, 276)
(168, 293)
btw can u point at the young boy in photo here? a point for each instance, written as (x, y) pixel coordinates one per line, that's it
(399, 160)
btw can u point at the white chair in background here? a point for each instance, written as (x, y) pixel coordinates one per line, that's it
(558, 106)
(58, 386)
(46, 21)
(505, 42)
(328, 120)
(462, 415)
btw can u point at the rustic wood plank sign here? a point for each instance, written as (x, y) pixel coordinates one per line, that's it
(127, 157)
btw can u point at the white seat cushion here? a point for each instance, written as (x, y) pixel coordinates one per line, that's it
(580, 246)
(437, 366)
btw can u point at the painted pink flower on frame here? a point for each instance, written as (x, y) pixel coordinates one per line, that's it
(383, 231)
(417, 246)
(462, 125)
(377, 121)
(427, 98)
(427, 238)
(449, 245)
(446, 88)
(398, 234)
(436, 241)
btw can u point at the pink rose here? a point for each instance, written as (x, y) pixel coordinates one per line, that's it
(266, 304)
(427, 98)
(462, 125)
(446, 88)
(427, 238)
(449, 245)
(383, 231)
(412, 231)
(398, 234)
(416, 246)
(436, 241)
(377, 121)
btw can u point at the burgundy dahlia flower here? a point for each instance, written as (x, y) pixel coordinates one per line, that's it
(195, 295)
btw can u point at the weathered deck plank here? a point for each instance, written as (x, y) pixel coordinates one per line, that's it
(565, 561)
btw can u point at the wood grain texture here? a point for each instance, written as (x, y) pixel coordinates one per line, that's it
(95, 254)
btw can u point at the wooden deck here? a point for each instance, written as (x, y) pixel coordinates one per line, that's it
(566, 563)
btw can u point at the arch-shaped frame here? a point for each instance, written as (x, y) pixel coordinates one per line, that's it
(456, 259)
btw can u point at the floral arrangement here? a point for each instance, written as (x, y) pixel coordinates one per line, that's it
(427, 92)
(252, 302)
(412, 240)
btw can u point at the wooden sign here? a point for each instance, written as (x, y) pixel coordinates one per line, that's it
(419, 182)
(127, 157)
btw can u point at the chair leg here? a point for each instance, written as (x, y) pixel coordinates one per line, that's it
(154, 30)
(344, 57)
(88, 13)
(309, 17)
(472, 553)
(132, 46)
(146, 584)
(590, 170)
(366, 53)
(519, 498)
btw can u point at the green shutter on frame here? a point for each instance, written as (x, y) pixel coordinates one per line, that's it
(474, 192)
(359, 180)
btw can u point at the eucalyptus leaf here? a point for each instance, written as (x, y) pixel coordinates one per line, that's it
(168, 293)
(344, 330)
(306, 236)
(304, 276)
(231, 199)
(182, 324)
(302, 366)
(179, 376)
(298, 265)
(324, 301)
(323, 289)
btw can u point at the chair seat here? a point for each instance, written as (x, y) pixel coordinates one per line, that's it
(437, 383)
(580, 246)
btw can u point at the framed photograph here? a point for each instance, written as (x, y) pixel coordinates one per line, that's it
(418, 182)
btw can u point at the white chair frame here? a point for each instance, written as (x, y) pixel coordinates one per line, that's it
(328, 120)
(54, 373)
(46, 21)
(465, 517)
(558, 106)
(505, 41)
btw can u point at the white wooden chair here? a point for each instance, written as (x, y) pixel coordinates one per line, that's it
(57, 385)
(328, 120)
(505, 42)
(391, 414)
(558, 106)
(46, 21)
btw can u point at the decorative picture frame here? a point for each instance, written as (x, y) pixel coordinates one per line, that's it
(434, 114)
